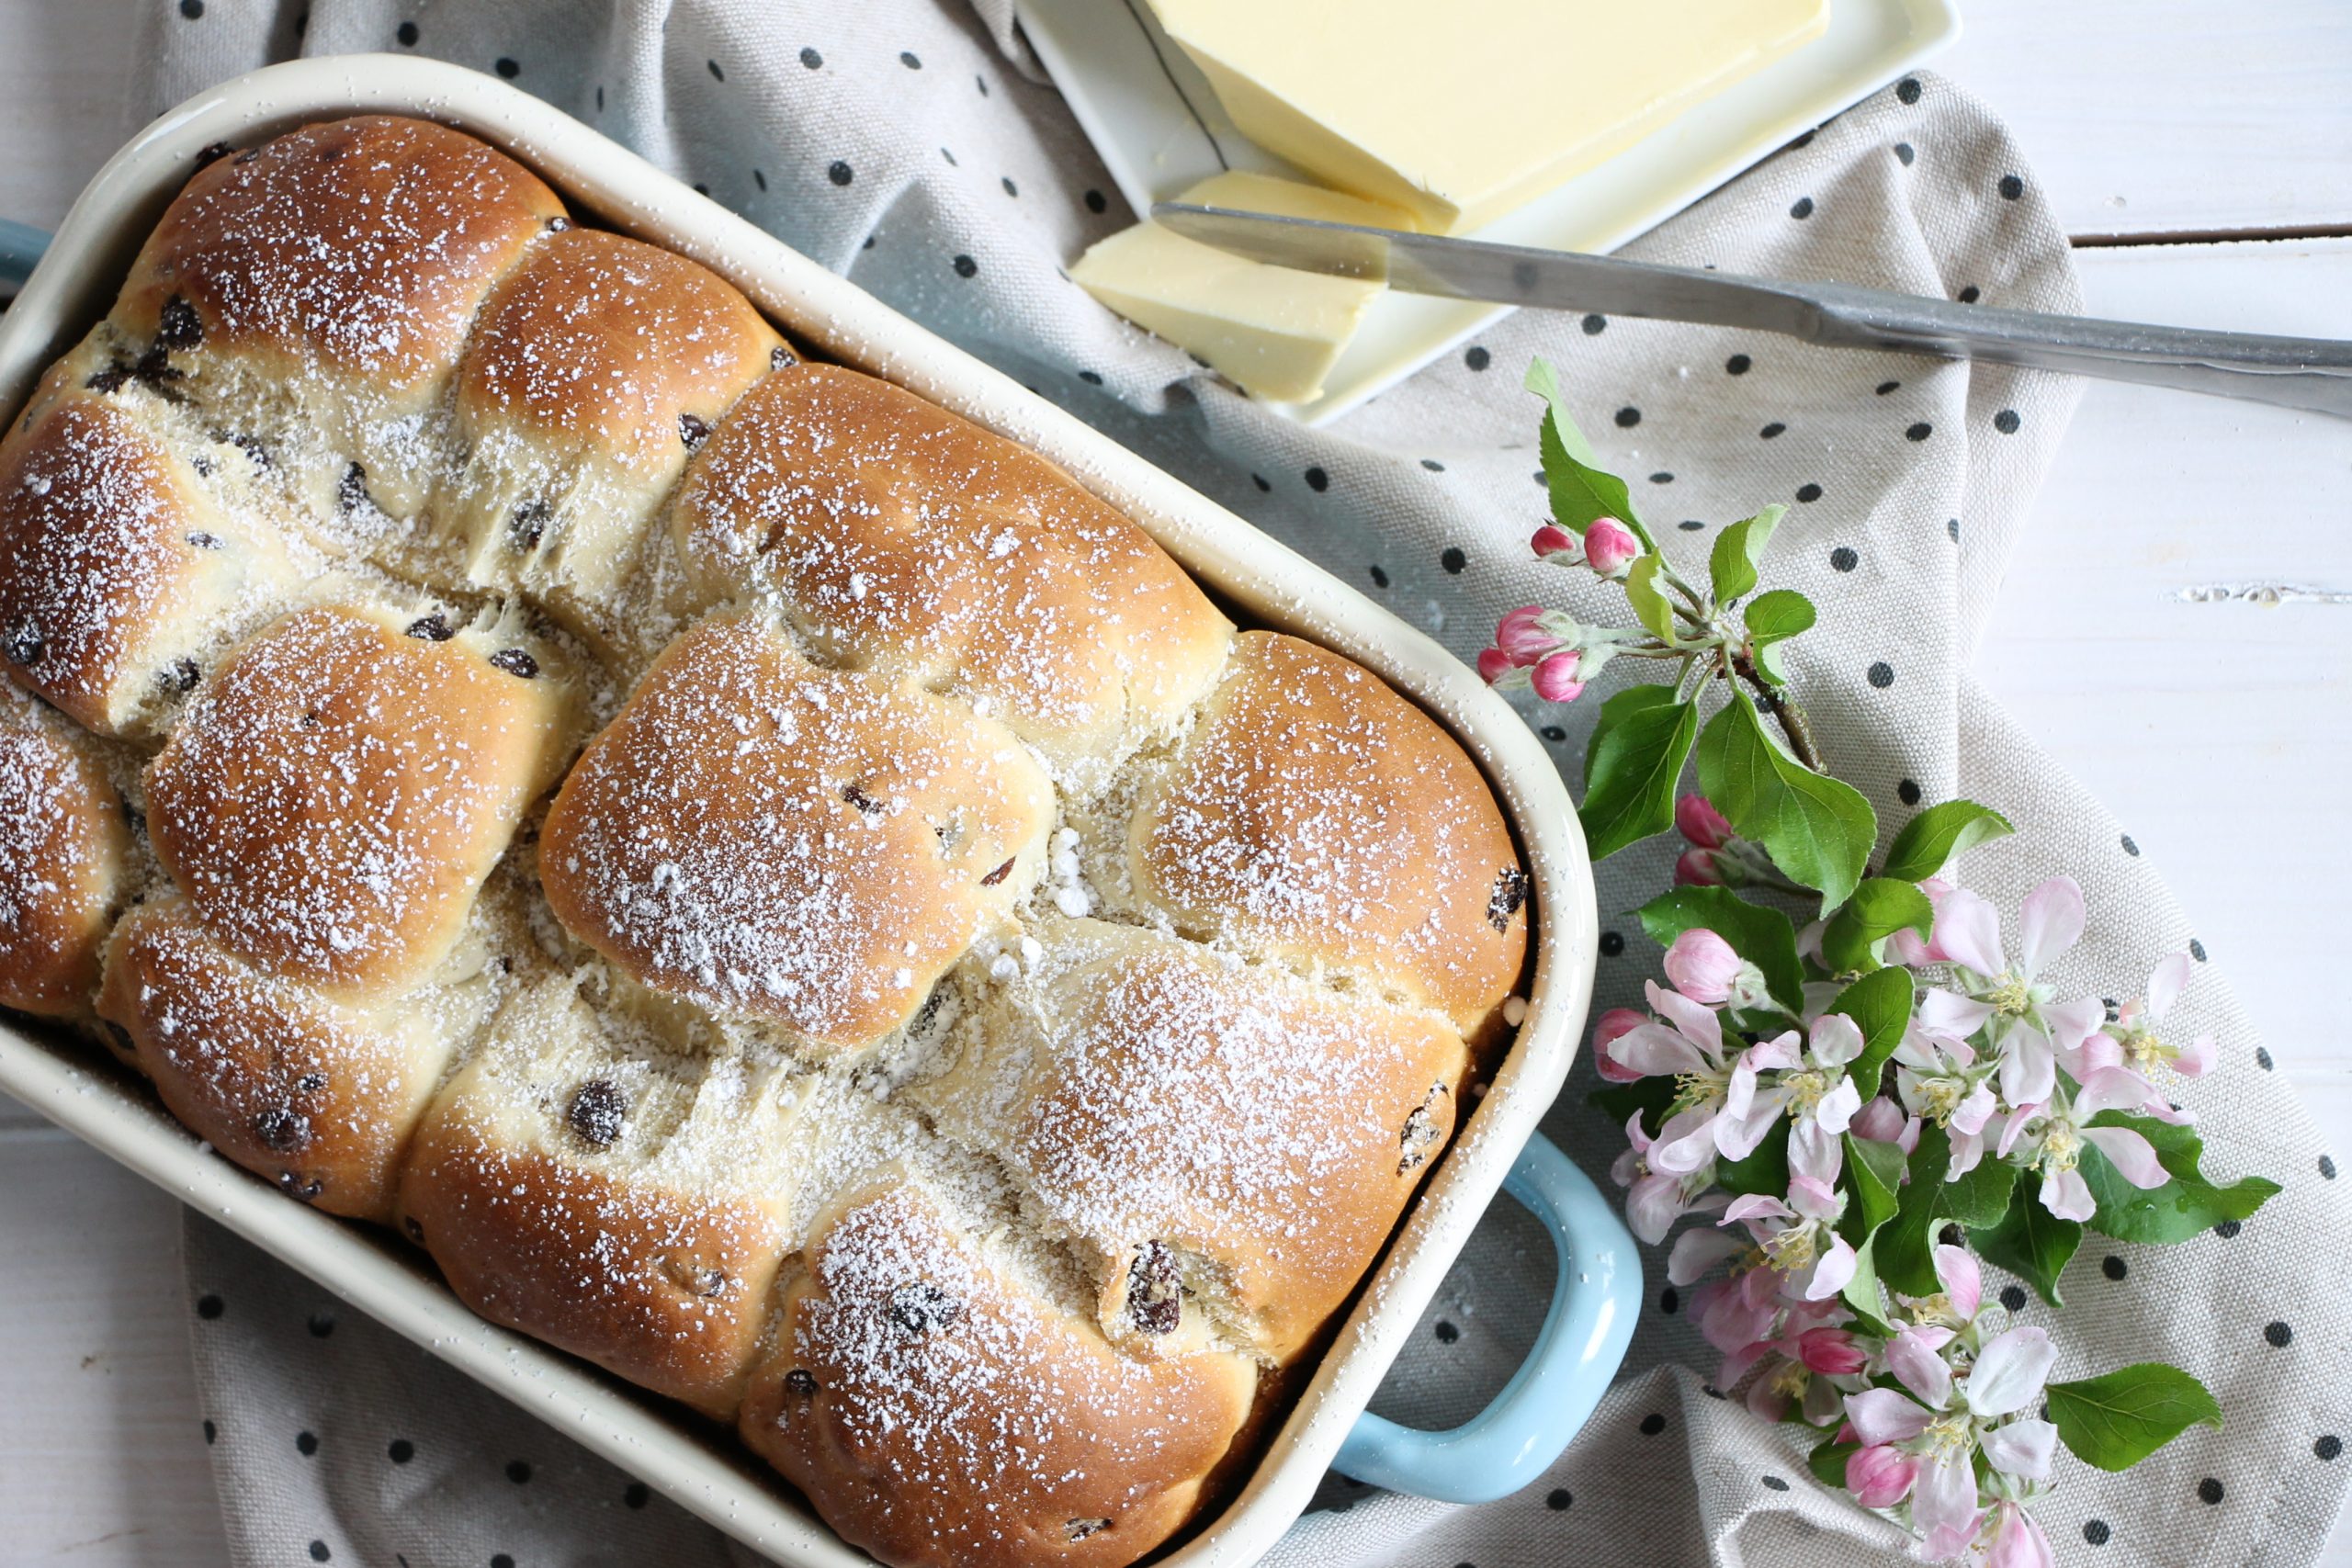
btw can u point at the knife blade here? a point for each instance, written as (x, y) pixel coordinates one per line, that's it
(2314, 374)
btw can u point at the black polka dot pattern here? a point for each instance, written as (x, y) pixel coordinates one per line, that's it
(211, 1432)
(1919, 431)
(518, 1471)
(2114, 1267)
(908, 59)
(1908, 89)
(322, 1324)
(2007, 421)
(1885, 387)
(2328, 1449)
(2210, 1491)
(1970, 295)
(1560, 1497)
(1774, 1483)
(2011, 187)
(1379, 578)
(1844, 558)
(1808, 492)
(1803, 209)
(2226, 1229)
(1476, 358)
(400, 1451)
(2130, 848)
(1611, 944)
(1738, 365)
(306, 1443)
(1653, 1424)
(1595, 325)
(319, 1552)
(811, 58)
(406, 34)
(840, 173)
(636, 1495)
(1905, 152)
(2277, 1336)
(1908, 792)
(966, 266)
(210, 1307)
(2327, 1168)
(1316, 480)
(1447, 1333)
(1628, 417)
(509, 67)
(2013, 1297)
(192, 9)
(715, 74)
(1096, 202)
(1670, 1300)
(2096, 1533)
(1772, 430)
(1880, 674)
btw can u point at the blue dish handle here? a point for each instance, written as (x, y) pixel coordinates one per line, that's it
(1595, 1300)
(20, 246)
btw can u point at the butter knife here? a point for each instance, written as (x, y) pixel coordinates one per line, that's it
(2298, 373)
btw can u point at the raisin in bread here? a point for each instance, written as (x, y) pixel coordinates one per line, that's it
(780, 891)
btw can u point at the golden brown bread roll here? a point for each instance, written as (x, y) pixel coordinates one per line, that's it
(1315, 815)
(124, 576)
(967, 1016)
(316, 1097)
(599, 366)
(328, 278)
(64, 851)
(338, 790)
(763, 836)
(944, 1403)
(1226, 1142)
(904, 540)
(592, 1185)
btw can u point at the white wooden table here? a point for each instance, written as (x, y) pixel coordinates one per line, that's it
(2202, 156)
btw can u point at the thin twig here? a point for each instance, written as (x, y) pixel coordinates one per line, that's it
(1790, 716)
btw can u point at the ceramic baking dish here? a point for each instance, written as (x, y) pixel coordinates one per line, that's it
(702, 1466)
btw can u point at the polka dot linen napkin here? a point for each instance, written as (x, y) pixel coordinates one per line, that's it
(915, 147)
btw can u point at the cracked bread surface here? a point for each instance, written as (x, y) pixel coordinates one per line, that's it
(778, 890)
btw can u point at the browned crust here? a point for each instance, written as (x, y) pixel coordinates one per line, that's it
(1317, 814)
(314, 1097)
(1267, 1133)
(947, 1416)
(599, 341)
(758, 835)
(335, 795)
(109, 559)
(359, 248)
(903, 538)
(65, 846)
(665, 1288)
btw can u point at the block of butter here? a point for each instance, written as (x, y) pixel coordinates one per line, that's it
(1461, 110)
(1274, 330)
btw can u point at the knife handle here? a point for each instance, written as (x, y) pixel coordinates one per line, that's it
(2300, 373)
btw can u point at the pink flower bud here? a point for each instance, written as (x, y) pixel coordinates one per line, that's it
(1831, 1350)
(1552, 541)
(1702, 966)
(1696, 868)
(1610, 547)
(1697, 819)
(1555, 678)
(1880, 1477)
(1880, 1120)
(1614, 1025)
(1520, 635)
(1493, 664)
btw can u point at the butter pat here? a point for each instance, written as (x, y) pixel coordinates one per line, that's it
(1274, 330)
(1461, 110)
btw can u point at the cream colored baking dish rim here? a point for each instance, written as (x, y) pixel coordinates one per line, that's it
(703, 1468)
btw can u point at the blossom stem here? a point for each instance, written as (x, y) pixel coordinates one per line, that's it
(1790, 718)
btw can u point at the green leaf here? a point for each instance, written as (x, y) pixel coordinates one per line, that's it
(2185, 1206)
(1875, 1171)
(1929, 840)
(1880, 1004)
(1738, 550)
(1817, 829)
(1632, 765)
(1764, 937)
(2029, 1241)
(1650, 1096)
(1648, 601)
(1856, 935)
(1777, 616)
(1765, 1170)
(1581, 490)
(1906, 1242)
(1828, 1461)
(1863, 1293)
(2117, 1419)
(1768, 664)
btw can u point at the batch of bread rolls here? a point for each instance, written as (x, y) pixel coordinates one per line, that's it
(778, 890)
